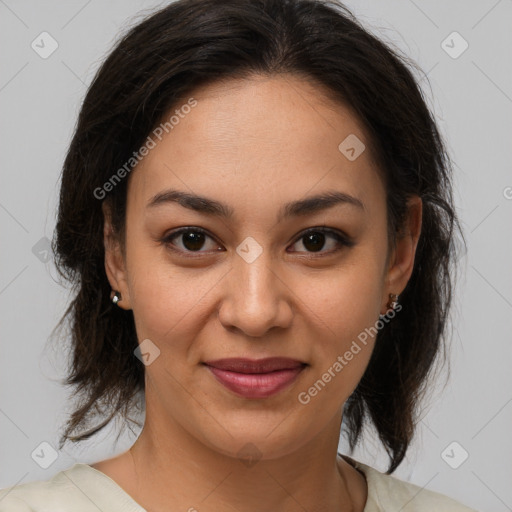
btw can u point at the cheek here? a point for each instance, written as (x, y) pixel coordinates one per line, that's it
(346, 299)
(345, 307)
(168, 302)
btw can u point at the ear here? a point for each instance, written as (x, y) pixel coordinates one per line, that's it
(401, 261)
(115, 265)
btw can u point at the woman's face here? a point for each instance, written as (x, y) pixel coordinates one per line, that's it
(254, 284)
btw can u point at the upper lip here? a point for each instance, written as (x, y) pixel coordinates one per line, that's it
(243, 365)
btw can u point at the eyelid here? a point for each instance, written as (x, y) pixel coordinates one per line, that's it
(336, 233)
(166, 239)
(342, 238)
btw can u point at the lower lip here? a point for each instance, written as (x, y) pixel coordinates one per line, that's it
(256, 385)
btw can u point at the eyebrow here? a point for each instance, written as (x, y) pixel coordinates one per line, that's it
(302, 207)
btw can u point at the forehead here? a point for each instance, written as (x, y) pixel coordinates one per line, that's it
(264, 138)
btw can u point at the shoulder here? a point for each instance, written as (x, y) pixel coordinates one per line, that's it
(79, 488)
(41, 494)
(386, 492)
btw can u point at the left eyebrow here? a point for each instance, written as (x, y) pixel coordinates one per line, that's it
(317, 203)
(208, 206)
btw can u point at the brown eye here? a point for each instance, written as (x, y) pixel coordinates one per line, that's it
(316, 239)
(191, 239)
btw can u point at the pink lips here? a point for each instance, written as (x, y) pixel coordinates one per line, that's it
(255, 378)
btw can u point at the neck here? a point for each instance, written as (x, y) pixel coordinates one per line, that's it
(188, 475)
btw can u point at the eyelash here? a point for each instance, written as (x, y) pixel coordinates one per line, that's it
(342, 240)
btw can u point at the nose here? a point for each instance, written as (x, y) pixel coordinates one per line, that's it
(257, 297)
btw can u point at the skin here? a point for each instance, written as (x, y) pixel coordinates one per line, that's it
(254, 145)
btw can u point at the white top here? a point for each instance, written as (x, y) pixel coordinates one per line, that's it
(81, 488)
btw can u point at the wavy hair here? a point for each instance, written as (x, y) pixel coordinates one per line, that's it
(164, 58)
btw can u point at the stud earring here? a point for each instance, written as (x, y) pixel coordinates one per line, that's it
(393, 301)
(116, 297)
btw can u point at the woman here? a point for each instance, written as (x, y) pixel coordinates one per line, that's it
(256, 209)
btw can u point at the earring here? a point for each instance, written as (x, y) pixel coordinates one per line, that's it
(116, 297)
(393, 301)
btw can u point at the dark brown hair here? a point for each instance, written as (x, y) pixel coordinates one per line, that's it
(194, 42)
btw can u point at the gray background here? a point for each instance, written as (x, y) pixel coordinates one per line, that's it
(472, 99)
